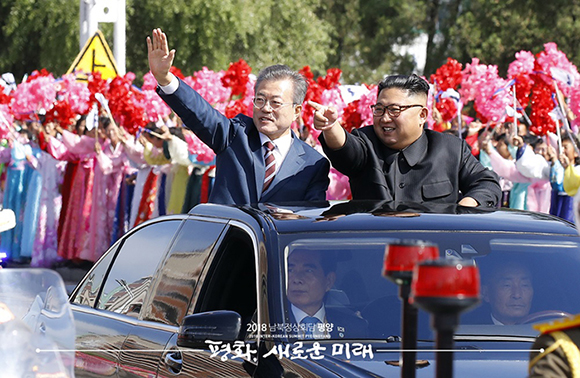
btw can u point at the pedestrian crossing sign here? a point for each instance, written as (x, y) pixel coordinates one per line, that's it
(95, 56)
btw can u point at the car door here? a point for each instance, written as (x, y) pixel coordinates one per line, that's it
(169, 298)
(107, 303)
(229, 282)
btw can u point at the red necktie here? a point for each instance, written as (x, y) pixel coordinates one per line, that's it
(270, 165)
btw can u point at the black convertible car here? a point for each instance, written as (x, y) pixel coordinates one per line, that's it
(219, 292)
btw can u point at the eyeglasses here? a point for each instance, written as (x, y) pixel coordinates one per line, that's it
(393, 110)
(260, 102)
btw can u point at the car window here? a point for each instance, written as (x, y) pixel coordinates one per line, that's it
(180, 271)
(525, 279)
(230, 283)
(89, 288)
(128, 282)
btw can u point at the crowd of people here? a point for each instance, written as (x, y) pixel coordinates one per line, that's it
(537, 173)
(76, 189)
(75, 192)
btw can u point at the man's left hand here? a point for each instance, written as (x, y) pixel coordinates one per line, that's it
(468, 202)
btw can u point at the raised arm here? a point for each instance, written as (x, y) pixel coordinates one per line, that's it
(326, 120)
(160, 57)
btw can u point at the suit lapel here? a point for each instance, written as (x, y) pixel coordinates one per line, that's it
(258, 160)
(293, 162)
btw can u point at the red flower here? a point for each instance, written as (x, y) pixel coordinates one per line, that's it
(448, 75)
(351, 118)
(542, 105)
(36, 74)
(236, 77)
(331, 79)
(447, 108)
(61, 113)
(97, 85)
(4, 98)
(307, 72)
(122, 102)
(235, 107)
(478, 115)
(523, 89)
(177, 72)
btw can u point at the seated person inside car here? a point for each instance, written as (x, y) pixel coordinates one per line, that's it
(311, 275)
(508, 290)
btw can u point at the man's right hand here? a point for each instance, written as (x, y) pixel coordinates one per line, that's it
(326, 120)
(324, 116)
(160, 58)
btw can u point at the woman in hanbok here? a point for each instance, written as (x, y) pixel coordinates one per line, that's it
(48, 205)
(570, 160)
(504, 165)
(14, 194)
(110, 166)
(175, 153)
(31, 202)
(79, 148)
(531, 162)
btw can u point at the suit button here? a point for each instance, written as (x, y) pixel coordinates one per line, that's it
(402, 185)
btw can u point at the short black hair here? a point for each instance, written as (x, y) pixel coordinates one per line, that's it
(105, 121)
(501, 138)
(533, 140)
(151, 126)
(413, 84)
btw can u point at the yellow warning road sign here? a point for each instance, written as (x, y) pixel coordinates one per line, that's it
(95, 56)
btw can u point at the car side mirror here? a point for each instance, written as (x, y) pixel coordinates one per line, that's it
(219, 325)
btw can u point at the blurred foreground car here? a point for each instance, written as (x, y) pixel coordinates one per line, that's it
(204, 294)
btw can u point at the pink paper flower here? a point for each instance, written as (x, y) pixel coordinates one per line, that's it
(33, 96)
(209, 85)
(155, 108)
(524, 64)
(476, 76)
(494, 96)
(555, 65)
(149, 82)
(196, 147)
(76, 93)
(6, 121)
(339, 187)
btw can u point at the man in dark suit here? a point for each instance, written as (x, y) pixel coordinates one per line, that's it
(311, 275)
(258, 159)
(509, 291)
(396, 159)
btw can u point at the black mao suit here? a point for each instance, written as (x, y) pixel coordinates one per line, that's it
(434, 168)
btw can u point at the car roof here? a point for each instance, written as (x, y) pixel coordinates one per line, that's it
(379, 216)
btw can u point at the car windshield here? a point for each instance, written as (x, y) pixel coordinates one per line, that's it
(335, 288)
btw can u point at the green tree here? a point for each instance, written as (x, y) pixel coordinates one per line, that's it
(37, 34)
(213, 34)
(494, 30)
(441, 18)
(367, 36)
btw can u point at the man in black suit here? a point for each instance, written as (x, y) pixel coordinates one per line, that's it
(258, 159)
(396, 159)
(311, 275)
